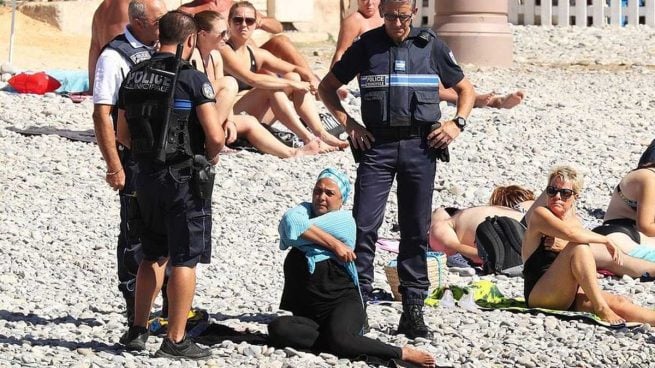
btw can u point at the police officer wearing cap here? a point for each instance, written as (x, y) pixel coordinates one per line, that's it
(399, 70)
(167, 116)
(117, 58)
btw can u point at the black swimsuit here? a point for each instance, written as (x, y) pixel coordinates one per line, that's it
(243, 86)
(621, 225)
(535, 266)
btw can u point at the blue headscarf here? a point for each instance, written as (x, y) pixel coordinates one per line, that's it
(339, 178)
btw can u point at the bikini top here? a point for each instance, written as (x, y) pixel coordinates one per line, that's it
(243, 86)
(629, 202)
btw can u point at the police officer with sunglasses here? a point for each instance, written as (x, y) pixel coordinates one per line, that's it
(399, 70)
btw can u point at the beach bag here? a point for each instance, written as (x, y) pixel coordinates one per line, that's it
(498, 239)
(437, 273)
(38, 83)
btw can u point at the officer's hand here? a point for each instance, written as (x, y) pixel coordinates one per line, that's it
(230, 128)
(361, 138)
(442, 137)
(116, 181)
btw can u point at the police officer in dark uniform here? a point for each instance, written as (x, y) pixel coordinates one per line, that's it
(167, 117)
(399, 70)
(120, 55)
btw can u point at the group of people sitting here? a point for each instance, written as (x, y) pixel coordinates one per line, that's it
(259, 85)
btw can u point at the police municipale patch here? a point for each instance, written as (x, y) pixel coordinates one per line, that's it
(452, 56)
(207, 90)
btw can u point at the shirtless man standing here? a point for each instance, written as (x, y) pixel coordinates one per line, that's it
(279, 45)
(109, 21)
(368, 17)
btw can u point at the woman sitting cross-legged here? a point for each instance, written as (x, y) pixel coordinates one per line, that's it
(268, 83)
(321, 288)
(212, 35)
(566, 279)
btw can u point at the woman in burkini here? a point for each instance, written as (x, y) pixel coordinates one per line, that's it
(321, 288)
(259, 92)
(211, 36)
(630, 216)
(566, 280)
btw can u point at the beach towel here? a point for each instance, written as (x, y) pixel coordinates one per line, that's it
(71, 80)
(487, 296)
(87, 136)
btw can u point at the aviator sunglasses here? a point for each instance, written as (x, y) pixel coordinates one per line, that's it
(393, 17)
(564, 193)
(239, 20)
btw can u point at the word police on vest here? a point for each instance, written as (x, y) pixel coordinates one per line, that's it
(146, 80)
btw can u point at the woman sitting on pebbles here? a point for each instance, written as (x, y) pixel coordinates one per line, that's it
(630, 216)
(566, 280)
(259, 92)
(211, 36)
(321, 288)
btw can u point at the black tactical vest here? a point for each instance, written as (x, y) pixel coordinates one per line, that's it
(401, 84)
(148, 95)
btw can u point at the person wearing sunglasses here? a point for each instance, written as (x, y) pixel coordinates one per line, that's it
(212, 34)
(278, 44)
(399, 70)
(290, 97)
(566, 280)
(368, 17)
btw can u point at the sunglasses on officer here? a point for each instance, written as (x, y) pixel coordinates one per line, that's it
(249, 21)
(391, 17)
(564, 193)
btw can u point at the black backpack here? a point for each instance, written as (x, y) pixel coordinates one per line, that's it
(498, 239)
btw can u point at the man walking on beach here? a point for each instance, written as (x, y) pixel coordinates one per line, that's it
(399, 70)
(168, 117)
(120, 55)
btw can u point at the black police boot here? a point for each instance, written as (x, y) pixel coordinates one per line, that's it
(411, 322)
(135, 338)
(129, 309)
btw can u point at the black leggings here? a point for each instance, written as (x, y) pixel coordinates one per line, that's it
(339, 334)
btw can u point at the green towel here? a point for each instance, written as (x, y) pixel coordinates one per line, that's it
(487, 296)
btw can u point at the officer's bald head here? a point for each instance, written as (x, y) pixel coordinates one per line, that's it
(175, 27)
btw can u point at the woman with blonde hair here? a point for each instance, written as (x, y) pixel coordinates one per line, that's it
(566, 279)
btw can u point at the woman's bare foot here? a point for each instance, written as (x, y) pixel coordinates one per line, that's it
(324, 147)
(484, 100)
(311, 148)
(507, 101)
(415, 356)
(333, 141)
(607, 314)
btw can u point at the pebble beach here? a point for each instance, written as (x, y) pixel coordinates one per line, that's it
(590, 102)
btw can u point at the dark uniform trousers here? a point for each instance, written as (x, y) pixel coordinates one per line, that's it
(129, 251)
(413, 163)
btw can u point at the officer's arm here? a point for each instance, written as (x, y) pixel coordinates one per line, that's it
(122, 130)
(214, 134)
(327, 90)
(105, 136)
(465, 97)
